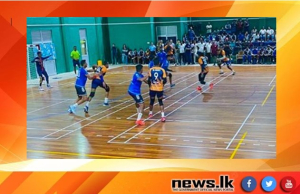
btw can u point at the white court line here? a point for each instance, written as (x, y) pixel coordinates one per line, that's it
(157, 112)
(103, 112)
(194, 147)
(195, 137)
(179, 106)
(272, 80)
(124, 81)
(241, 126)
(100, 119)
(205, 121)
(39, 138)
(46, 107)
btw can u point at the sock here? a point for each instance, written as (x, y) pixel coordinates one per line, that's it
(162, 114)
(150, 113)
(221, 70)
(137, 110)
(87, 104)
(75, 105)
(105, 100)
(139, 116)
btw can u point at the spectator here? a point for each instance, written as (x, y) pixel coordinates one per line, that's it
(124, 54)
(246, 25)
(191, 34)
(214, 52)
(114, 54)
(208, 28)
(228, 28)
(184, 38)
(274, 56)
(247, 56)
(247, 36)
(254, 56)
(270, 34)
(260, 55)
(134, 57)
(188, 48)
(147, 56)
(141, 56)
(152, 49)
(130, 56)
(268, 55)
(201, 46)
(239, 56)
(262, 33)
(233, 37)
(177, 49)
(182, 53)
(208, 46)
(239, 26)
(233, 26)
(159, 46)
(241, 37)
(254, 30)
(194, 52)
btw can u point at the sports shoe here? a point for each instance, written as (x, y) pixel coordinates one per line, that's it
(222, 72)
(233, 73)
(172, 85)
(140, 122)
(164, 96)
(105, 104)
(41, 88)
(150, 115)
(163, 119)
(72, 109)
(86, 109)
(199, 88)
(203, 83)
(48, 86)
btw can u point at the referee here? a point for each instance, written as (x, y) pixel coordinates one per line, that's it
(75, 56)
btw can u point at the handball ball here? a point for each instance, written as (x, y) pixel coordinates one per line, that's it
(148, 42)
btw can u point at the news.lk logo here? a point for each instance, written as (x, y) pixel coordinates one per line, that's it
(204, 185)
(288, 184)
(249, 184)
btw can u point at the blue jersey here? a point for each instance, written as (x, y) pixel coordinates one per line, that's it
(165, 65)
(151, 64)
(135, 85)
(81, 78)
(162, 57)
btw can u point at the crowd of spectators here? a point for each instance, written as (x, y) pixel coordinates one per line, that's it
(242, 43)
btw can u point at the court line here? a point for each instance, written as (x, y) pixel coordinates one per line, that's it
(178, 107)
(97, 119)
(193, 147)
(272, 80)
(40, 138)
(124, 81)
(241, 126)
(205, 121)
(75, 154)
(263, 103)
(238, 146)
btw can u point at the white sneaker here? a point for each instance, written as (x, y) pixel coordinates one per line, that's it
(41, 88)
(48, 86)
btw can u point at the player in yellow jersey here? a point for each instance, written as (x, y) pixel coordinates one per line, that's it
(157, 78)
(99, 82)
(224, 59)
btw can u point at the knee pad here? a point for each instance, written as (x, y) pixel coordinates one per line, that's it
(107, 89)
(152, 101)
(160, 101)
(170, 75)
(92, 94)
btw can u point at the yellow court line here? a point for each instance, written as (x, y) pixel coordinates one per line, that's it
(77, 154)
(263, 103)
(237, 147)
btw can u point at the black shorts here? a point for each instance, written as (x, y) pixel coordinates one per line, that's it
(203, 66)
(137, 98)
(76, 62)
(159, 94)
(80, 90)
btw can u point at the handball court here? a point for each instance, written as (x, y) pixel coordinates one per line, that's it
(236, 119)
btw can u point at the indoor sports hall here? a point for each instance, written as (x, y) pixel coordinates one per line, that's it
(235, 118)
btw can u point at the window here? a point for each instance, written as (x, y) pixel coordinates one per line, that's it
(41, 36)
(166, 33)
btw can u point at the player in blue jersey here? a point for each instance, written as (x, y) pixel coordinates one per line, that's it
(204, 71)
(162, 56)
(134, 90)
(39, 61)
(98, 82)
(83, 75)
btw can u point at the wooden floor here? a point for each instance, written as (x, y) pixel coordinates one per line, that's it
(236, 119)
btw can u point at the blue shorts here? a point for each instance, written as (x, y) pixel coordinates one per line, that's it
(42, 72)
(137, 98)
(159, 94)
(80, 90)
(226, 62)
(97, 83)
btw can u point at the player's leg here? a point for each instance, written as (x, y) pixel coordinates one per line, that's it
(41, 80)
(74, 65)
(82, 97)
(152, 95)
(170, 79)
(107, 89)
(161, 104)
(230, 68)
(47, 78)
(219, 62)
